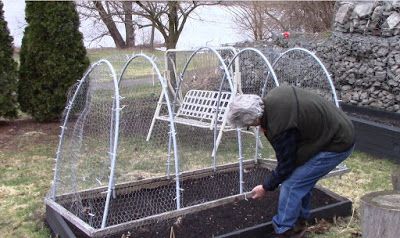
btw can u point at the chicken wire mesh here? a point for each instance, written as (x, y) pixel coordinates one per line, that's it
(145, 143)
(200, 99)
(104, 192)
(195, 82)
(301, 68)
(85, 151)
(198, 192)
(254, 75)
(142, 153)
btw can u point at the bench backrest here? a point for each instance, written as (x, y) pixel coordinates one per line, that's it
(201, 105)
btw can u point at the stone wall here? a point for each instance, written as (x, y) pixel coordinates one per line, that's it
(363, 52)
(367, 56)
(366, 70)
(379, 18)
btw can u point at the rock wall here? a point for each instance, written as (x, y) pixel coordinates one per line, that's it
(367, 56)
(366, 70)
(379, 18)
(362, 53)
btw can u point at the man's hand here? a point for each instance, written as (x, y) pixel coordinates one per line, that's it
(258, 192)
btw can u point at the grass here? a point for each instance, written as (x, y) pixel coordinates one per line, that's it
(26, 173)
(141, 68)
(367, 174)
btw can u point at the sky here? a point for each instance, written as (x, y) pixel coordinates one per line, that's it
(211, 26)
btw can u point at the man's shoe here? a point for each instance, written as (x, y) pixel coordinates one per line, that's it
(291, 234)
(300, 225)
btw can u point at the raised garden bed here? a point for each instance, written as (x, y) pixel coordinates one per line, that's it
(211, 207)
(377, 132)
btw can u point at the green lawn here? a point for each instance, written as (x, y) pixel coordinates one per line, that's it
(26, 159)
(367, 174)
(140, 67)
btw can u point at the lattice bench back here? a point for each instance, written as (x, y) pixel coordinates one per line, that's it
(198, 109)
(200, 106)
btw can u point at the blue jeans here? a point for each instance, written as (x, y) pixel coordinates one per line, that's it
(295, 191)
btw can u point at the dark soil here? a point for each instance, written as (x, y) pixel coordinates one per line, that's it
(219, 220)
(11, 133)
(223, 219)
(207, 223)
(132, 205)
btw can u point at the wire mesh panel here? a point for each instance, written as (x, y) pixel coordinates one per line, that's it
(254, 75)
(140, 89)
(201, 98)
(145, 145)
(85, 151)
(301, 68)
(195, 87)
(203, 71)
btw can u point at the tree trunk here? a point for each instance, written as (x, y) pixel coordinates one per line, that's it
(152, 36)
(110, 24)
(172, 25)
(171, 44)
(129, 28)
(396, 178)
(171, 40)
(380, 215)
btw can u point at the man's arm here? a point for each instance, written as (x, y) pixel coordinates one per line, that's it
(285, 146)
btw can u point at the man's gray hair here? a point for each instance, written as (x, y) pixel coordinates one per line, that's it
(245, 110)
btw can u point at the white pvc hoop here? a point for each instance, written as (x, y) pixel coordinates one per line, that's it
(164, 85)
(68, 110)
(113, 134)
(241, 182)
(221, 60)
(264, 59)
(334, 95)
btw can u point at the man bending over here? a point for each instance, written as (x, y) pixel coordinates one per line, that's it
(310, 136)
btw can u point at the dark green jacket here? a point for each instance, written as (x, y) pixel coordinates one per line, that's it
(319, 124)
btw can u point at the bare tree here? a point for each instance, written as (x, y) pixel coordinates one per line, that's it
(167, 17)
(308, 16)
(261, 19)
(112, 14)
(249, 18)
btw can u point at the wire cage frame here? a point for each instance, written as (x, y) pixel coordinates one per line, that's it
(113, 131)
(84, 210)
(238, 82)
(232, 86)
(114, 134)
(173, 189)
(298, 56)
(197, 108)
